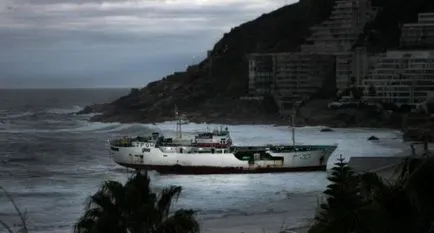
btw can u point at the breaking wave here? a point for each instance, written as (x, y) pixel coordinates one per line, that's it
(54, 120)
(7, 116)
(73, 109)
(79, 127)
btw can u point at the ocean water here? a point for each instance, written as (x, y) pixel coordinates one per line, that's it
(51, 160)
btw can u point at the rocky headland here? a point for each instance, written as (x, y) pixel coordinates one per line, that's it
(210, 91)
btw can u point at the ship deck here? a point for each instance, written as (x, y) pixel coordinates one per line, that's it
(280, 148)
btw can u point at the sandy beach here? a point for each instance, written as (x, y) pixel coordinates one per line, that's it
(263, 223)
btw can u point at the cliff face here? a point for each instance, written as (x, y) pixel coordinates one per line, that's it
(211, 89)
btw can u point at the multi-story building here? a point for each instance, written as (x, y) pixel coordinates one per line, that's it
(340, 31)
(337, 36)
(344, 70)
(300, 76)
(419, 35)
(362, 64)
(402, 77)
(261, 74)
(352, 67)
(290, 77)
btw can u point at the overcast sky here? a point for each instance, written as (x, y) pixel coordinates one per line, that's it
(107, 43)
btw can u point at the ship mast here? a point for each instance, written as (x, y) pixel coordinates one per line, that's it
(292, 120)
(178, 123)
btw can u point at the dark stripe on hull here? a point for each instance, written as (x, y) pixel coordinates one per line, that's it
(203, 170)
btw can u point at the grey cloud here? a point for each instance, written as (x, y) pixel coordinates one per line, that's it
(93, 40)
(125, 74)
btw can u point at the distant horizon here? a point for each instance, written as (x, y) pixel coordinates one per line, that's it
(63, 88)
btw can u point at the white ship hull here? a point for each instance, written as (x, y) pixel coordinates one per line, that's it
(173, 162)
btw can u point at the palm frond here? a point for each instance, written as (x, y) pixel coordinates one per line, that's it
(100, 200)
(104, 210)
(87, 222)
(182, 221)
(134, 208)
(140, 181)
(114, 190)
(84, 225)
(166, 198)
(100, 217)
(138, 190)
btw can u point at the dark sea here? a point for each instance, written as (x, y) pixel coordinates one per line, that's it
(52, 159)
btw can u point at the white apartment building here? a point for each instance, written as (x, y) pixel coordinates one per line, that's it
(337, 35)
(344, 70)
(426, 18)
(298, 76)
(402, 77)
(420, 34)
(356, 65)
(261, 74)
(282, 74)
(340, 31)
(289, 76)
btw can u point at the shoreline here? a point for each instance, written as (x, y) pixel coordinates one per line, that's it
(313, 113)
(260, 223)
(275, 123)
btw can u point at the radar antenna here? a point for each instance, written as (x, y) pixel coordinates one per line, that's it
(178, 123)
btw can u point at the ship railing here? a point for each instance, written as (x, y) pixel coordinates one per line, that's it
(127, 141)
(123, 142)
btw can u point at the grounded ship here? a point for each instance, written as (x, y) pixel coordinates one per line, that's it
(212, 152)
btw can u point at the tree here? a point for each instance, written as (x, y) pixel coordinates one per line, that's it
(340, 213)
(357, 92)
(134, 208)
(388, 205)
(405, 204)
(369, 203)
(372, 91)
(352, 81)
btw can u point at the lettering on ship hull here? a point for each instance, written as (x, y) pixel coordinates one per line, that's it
(304, 156)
